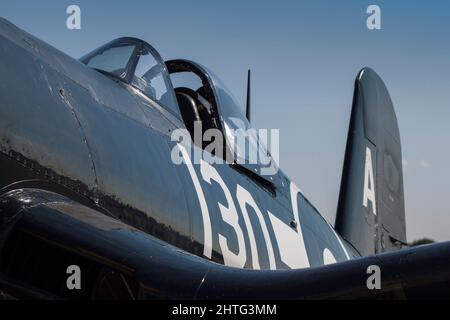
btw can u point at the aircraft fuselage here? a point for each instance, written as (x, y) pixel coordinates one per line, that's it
(67, 128)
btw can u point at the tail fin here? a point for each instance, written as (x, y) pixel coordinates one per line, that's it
(371, 209)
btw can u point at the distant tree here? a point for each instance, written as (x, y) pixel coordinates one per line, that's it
(421, 242)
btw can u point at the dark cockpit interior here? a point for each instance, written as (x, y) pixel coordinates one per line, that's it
(194, 95)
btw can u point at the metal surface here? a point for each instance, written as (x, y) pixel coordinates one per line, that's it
(123, 164)
(376, 225)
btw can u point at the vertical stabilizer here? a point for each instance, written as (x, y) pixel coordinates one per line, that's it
(371, 209)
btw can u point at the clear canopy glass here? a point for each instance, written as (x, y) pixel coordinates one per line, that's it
(242, 138)
(135, 62)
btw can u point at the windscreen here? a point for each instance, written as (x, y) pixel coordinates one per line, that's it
(242, 138)
(113, 60)
(138, 64)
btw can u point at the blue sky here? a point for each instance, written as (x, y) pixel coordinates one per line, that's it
(304, 56)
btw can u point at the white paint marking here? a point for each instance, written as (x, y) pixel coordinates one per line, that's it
(245, 198)
(229, 216)
(328, 257)
(369, 182)
(207, 240)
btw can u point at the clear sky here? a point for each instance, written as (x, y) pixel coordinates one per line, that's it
(304, 56)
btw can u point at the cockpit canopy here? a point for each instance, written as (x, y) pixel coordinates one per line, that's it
(135, 62)
(198, 94)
